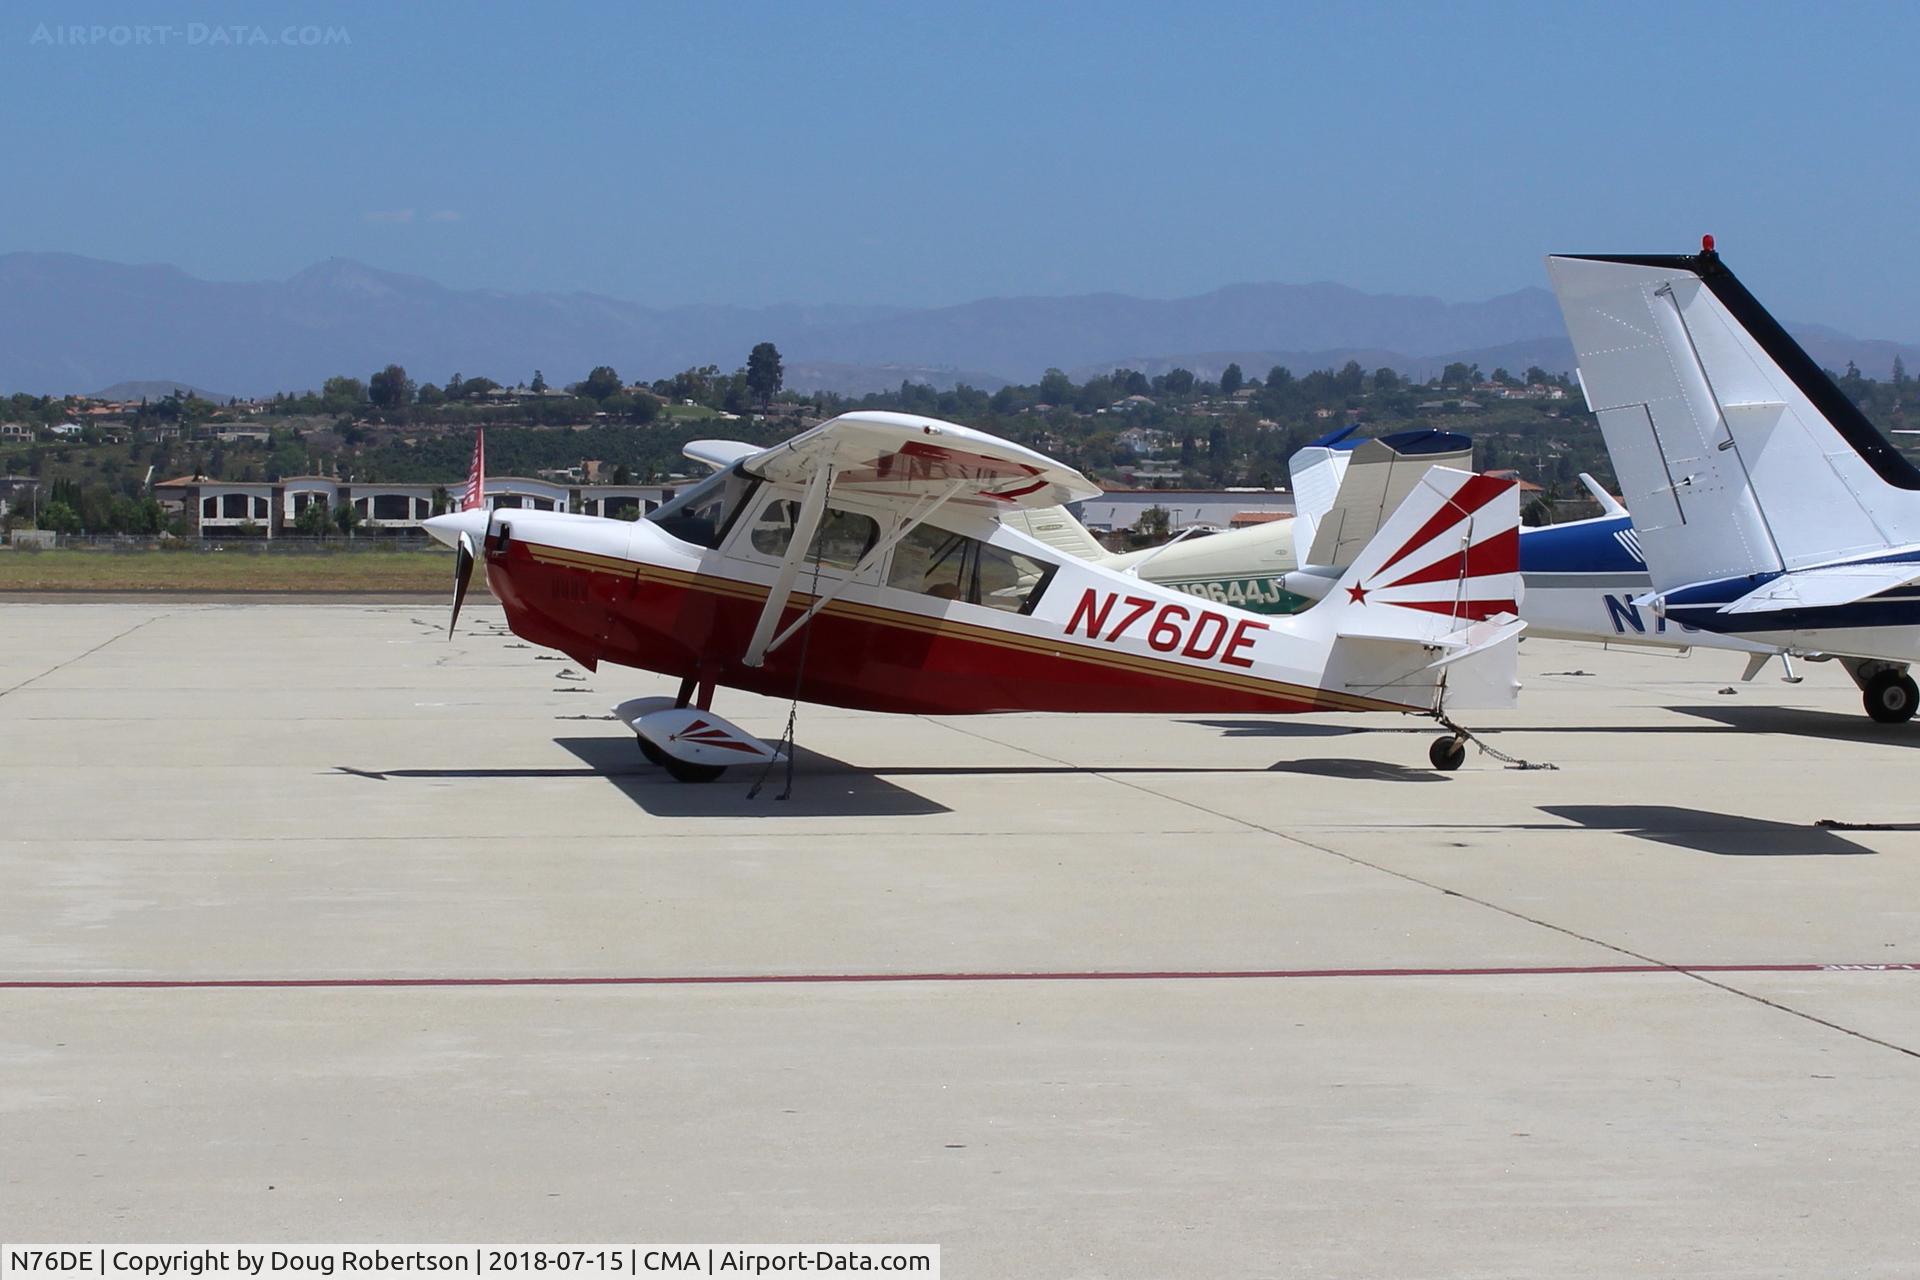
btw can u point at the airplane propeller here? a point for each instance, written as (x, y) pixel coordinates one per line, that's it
(462, 576)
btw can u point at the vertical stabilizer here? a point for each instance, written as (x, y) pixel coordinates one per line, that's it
(1371, 481)
(1448, 556)
(1437, 590)
(1735, 453)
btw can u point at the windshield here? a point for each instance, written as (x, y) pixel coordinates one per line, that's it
(699, 515)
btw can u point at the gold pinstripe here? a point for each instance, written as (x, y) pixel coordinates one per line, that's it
(1057, 648)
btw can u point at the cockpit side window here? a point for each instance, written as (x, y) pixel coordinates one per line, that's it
(951, 566)
(843, 541)
(701, 515)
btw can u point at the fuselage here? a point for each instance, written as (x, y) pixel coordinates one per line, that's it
(965, 617)
(1885, 625)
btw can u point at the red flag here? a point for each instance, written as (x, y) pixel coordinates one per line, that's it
(475, 497)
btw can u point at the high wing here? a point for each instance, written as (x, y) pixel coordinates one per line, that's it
(908, 457)
(718, 454)
(1822, 588)
(921, 464)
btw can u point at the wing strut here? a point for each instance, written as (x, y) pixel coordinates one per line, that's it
(919, 517)
(812, 507)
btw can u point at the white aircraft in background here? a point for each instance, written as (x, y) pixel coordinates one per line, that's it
(1768, 507)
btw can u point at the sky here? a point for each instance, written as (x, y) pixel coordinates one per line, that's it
(924, 154)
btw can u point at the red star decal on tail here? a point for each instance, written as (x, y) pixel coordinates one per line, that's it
(1357, 595)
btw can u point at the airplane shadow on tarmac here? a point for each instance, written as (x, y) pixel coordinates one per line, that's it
(1729, 834)
(826, 786)
(1283, 728)
(822, 787)
(1803, 722)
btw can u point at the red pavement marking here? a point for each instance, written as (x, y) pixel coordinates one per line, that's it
(1097, 975)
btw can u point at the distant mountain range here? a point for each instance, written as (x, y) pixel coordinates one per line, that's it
(75, 324)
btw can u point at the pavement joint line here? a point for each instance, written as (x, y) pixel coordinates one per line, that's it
(849, 979)
(60, 666)
(732, 836)
(1618, 949)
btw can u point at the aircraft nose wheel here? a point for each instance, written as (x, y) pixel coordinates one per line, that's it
(1448, 753)
(1891, 697)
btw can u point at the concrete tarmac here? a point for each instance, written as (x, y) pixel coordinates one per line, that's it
(1638, 1015)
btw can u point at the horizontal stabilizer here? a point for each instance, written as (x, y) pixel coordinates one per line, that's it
(1460, 643)
(1479, 637)
(1823, 588)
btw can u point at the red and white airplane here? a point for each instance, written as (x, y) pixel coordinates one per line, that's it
(864, 564)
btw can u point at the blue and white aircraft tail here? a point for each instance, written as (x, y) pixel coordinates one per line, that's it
(1766, 505)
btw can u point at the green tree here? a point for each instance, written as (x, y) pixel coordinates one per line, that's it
(1232, 380)
(342, 395)
(600, 384)
(737, 396)
(539, 383)
(59, 517)
(1151, 527)
(1179, 381)
(346, 518)
(313, 521)
(1055, 387)
(390, 389)
(764, 373)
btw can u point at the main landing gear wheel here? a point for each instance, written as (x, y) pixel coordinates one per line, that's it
(1448, 753)
(679, 770)
(1891, 697)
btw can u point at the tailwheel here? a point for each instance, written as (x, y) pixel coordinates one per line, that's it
(1448, 753)
(681, 771)
(653, 754)
(1891, 697)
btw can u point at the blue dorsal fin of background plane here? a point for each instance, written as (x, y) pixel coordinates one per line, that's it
(1337, 439)
(1426, 440)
